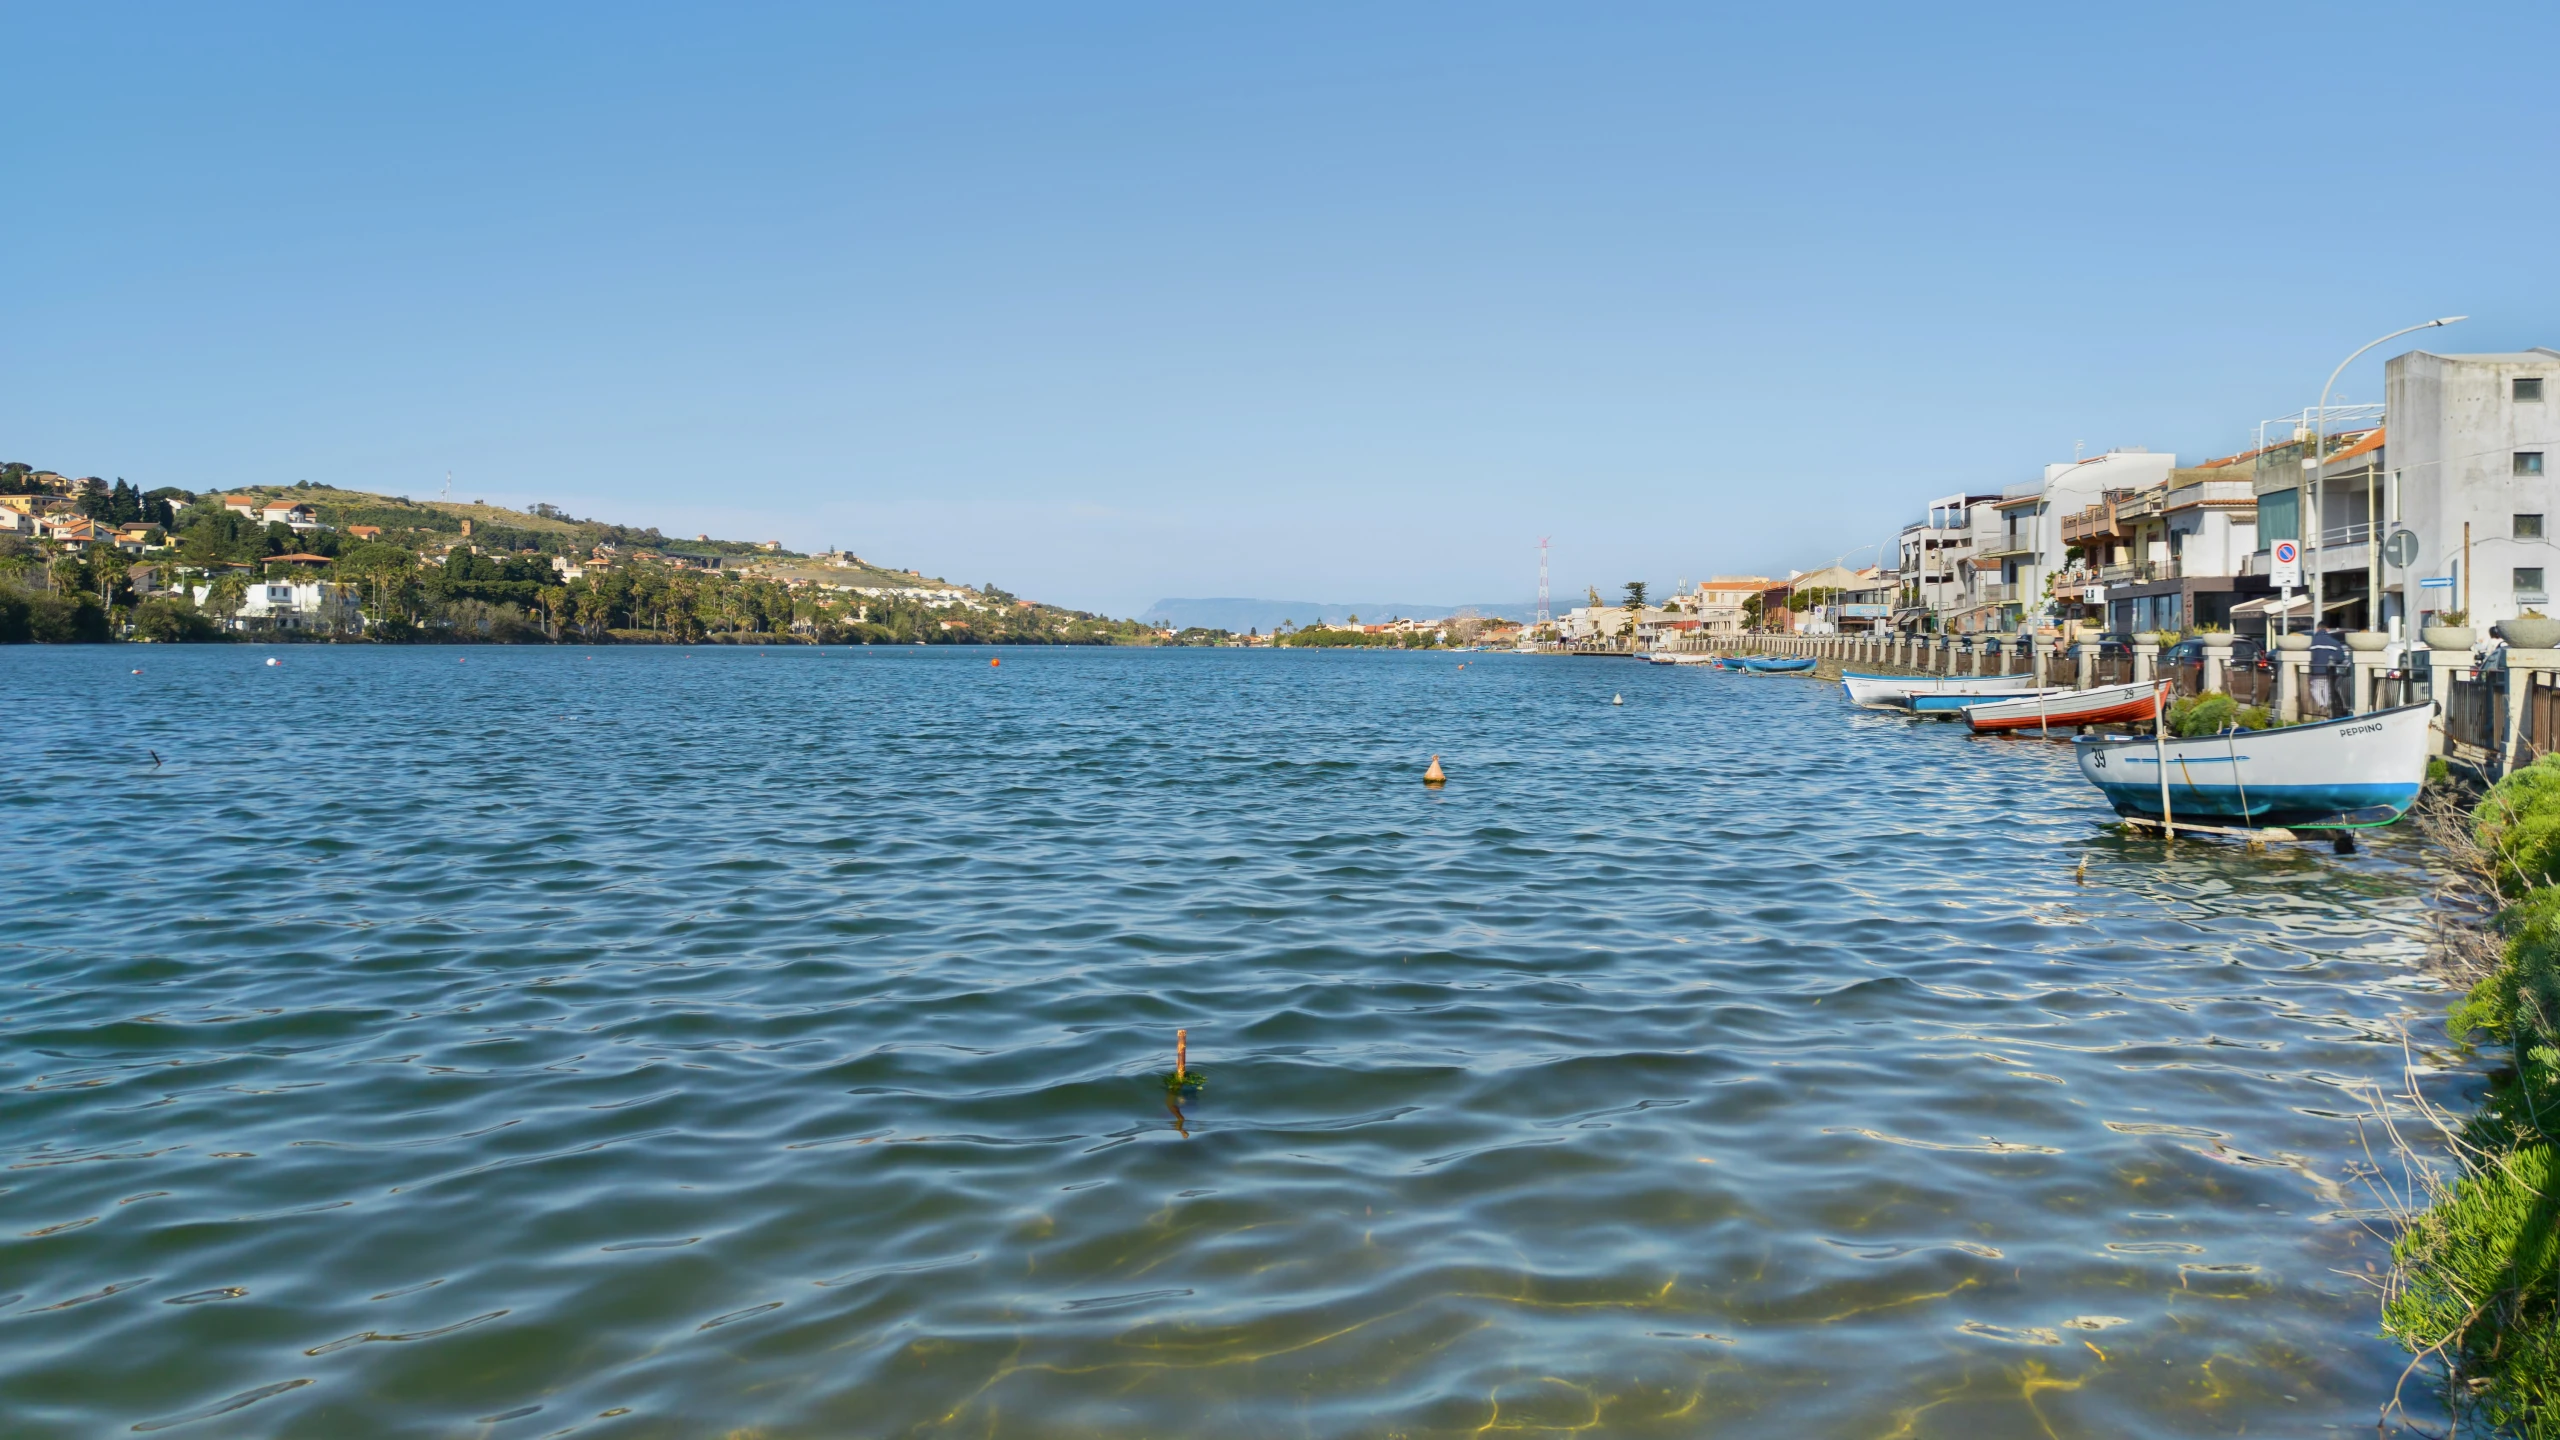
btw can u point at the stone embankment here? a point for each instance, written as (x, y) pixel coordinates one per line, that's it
(2077, 665)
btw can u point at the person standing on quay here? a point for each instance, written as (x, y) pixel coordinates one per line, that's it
(2328, 660)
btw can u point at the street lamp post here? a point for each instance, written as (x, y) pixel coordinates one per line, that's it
(2315, 531)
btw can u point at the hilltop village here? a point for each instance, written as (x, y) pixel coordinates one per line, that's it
(83, 558)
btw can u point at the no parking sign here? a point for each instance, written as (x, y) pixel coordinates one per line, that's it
(2287, 570)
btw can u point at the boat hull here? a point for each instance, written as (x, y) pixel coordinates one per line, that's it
(2358, 771)
(1793, 666)
(2105, 705)
(1895, 691)
(1954, 701)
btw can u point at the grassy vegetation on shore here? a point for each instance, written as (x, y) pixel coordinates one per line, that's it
(2477, 1276)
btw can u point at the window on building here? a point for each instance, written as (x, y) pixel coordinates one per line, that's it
(2528, 462)
(2528, 527)
(2279, 516)
(2528, 387)
(2529, 584)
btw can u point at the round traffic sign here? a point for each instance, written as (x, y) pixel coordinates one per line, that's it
(2287, 552)
(2401, 549)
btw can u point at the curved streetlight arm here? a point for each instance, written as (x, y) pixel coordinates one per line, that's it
(2332, 381)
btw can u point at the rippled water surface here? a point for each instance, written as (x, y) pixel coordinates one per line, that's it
(650, 1043)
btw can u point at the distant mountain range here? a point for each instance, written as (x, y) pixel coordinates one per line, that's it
(1240, 615)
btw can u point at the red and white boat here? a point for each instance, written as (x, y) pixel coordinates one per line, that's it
(2105, 705)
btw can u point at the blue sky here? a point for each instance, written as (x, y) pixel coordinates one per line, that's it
(1112, 302)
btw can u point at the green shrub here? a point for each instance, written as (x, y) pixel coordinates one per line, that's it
(2527, 985)
(2211, 714)
(2518, 823)
(50, 619)
(2478, 1278)
(2479, 1271)
(167, 618)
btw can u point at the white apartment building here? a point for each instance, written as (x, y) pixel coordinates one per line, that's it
(294, 605)
(2031, 548)
(2472, 443)
(1939, 582)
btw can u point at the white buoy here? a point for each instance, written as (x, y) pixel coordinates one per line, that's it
(1617, 699)
(273, 660)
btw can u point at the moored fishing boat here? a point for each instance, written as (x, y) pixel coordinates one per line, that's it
(1778, 665)
(2064, 709)
(1956, 701)
(1895, 691)
(2333, 774)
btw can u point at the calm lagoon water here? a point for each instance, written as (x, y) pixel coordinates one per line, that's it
(658, 1043)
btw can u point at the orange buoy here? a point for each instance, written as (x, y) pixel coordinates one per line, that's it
(1434, 775)
(994, 661)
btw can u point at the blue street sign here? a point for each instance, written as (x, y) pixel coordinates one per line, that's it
(2436, 582)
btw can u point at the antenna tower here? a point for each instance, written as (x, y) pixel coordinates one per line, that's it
(1543, 617)
(448, 486)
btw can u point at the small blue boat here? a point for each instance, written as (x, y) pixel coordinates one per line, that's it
(1775, 665)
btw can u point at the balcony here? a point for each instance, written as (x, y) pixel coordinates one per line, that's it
(2002, 594)
(2139, 571)
(2147, 503)
(2095, 524)
(2233, 493)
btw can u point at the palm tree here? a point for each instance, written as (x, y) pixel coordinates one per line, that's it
(229, 591)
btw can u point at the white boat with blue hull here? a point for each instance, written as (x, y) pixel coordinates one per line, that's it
(1950, 704)
(1897, 690)
(2334, 774)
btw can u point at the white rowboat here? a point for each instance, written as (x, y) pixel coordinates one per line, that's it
(2360, 770)
(1894, 690)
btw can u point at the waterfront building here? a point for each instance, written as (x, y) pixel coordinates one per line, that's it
(1817, 601)
(1717, 604)
(2334, 543)
(1935, 567)
(316, 605)
(2033, 569)
(2459, 446)
(2167, 555)
(2472, 444)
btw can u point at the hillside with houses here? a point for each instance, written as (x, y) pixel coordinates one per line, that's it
(86, 559)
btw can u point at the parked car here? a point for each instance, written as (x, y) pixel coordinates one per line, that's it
(2244, 651)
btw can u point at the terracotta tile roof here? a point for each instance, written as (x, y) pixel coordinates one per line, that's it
(2243, 455)
(2366, 444)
